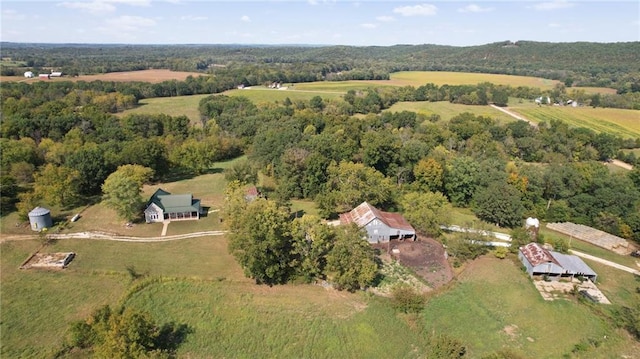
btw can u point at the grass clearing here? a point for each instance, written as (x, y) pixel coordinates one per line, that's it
(446, 110)
(419, 78)
(172, 106)
(494, 295)
(621, 122)
(260, 94)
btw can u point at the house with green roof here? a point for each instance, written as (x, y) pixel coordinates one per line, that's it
(164, 206)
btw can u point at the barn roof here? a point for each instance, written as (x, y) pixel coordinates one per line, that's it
(365, 213)
(536, 255)
(573, 264)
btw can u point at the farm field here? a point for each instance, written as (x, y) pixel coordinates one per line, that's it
(621, 122)
(447, 110)
(419, 78)
(258, 94)
(151, 76)
(188, 105)
(172, 106)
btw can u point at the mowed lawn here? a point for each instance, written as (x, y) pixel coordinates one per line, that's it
(621, 122)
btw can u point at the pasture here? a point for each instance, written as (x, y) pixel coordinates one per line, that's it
(494, 305)
(447, 110)
(419, 78)
(172, 106)
(620, 122)
(197, 283)
(258, 94)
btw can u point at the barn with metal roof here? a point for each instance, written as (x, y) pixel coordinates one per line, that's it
(380, 226)
(540, 261)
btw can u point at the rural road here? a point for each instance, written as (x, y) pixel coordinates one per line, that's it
(621, 164)
(119, 238)
(605, 262)
(513, 114)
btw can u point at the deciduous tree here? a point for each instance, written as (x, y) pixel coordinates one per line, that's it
(122, 190)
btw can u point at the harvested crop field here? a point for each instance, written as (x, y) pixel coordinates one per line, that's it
(152, 76)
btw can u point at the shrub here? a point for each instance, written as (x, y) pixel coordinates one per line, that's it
(407, 299)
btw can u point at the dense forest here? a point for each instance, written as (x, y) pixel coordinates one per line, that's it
(615, 65)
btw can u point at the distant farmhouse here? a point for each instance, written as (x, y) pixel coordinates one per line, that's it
(381, 226)
(542, 262)
(164, 206)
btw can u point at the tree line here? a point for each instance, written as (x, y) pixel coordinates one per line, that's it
(584, 64)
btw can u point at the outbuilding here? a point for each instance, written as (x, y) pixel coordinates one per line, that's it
(40, 218)
(380, 226)
(540, 261)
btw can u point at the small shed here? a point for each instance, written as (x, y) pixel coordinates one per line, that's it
(40, 218)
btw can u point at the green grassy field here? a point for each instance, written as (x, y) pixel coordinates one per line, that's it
(621, 122)
(418, 78)
(259, 94)
(495, 305)
(201, 286)
(173, 106)
(447, 110)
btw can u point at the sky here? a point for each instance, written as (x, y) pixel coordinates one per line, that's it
(317, 22)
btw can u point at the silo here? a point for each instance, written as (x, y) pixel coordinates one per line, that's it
(40, 218)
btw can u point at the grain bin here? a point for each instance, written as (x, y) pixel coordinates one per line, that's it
(40, 218)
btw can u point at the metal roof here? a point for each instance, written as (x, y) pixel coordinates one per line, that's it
(573, 264)
(39, 211)
(365, 213)
(537, 255)
(174, 202)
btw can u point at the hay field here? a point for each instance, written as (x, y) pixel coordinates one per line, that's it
(152, 76)
(447, 110)
(173, 106)
(621, 122)
(418, 78)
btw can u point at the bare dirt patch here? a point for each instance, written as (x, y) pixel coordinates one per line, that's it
(512, 331)
(48, 260)
(426, 258)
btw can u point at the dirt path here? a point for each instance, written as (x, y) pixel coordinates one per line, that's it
(119, 238)
(605, 262)
(514, 115)
(621, 164)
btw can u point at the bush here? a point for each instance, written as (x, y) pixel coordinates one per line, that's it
(407, 299)
(501, 252)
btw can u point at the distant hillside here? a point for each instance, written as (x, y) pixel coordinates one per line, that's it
(582, 63)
